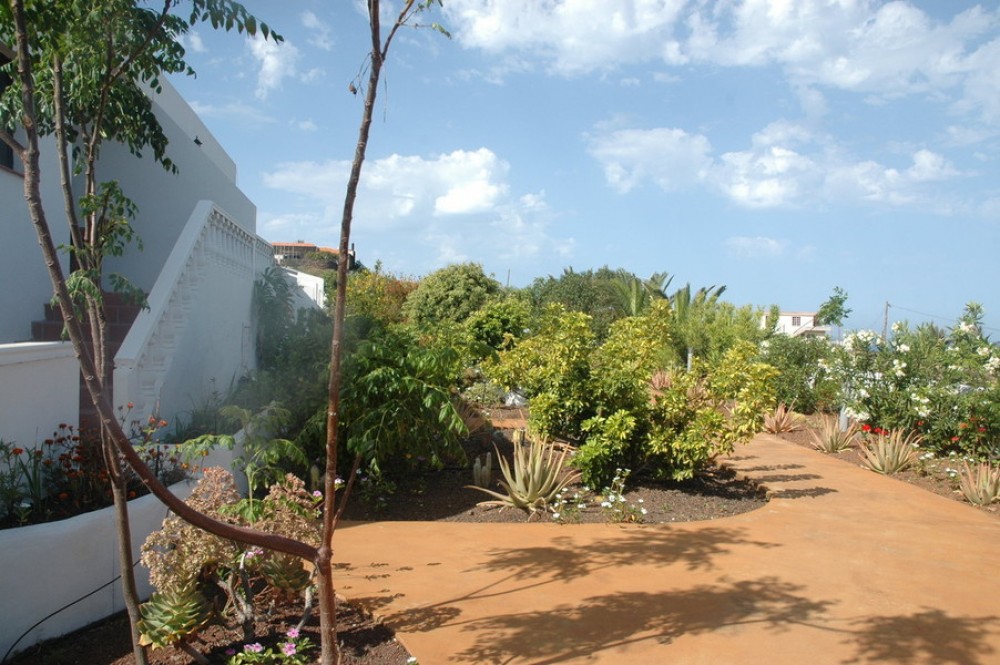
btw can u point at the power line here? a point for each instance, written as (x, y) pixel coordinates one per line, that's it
(938, 317)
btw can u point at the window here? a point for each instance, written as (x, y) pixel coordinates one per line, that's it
(796, 320)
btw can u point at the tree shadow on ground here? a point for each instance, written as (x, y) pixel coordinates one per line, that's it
(508, 571)
(929, 637)
(567, 633)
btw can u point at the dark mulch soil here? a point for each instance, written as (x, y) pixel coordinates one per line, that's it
(363, 640)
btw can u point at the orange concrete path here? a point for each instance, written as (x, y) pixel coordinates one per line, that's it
(842, 566)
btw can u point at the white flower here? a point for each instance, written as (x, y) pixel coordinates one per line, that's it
(897, 326)
(555, 516)
(904, 348)
(983, 351)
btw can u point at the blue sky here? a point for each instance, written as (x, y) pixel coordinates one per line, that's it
(779, 147)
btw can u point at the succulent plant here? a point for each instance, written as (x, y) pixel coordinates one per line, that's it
(832, 439)
(482, 471)
(538, 475)
(890, 453)
(285, 573)
(782, 419)
(980, 484)
(171, 617)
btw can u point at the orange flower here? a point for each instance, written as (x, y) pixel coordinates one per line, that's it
(63, 496)
(17, 451)
(130, 405)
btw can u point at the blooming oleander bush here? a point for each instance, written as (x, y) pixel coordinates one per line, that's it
(943, 384)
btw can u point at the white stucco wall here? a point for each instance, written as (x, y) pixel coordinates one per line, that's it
(39, 389)
(26, 284)
(165, 200)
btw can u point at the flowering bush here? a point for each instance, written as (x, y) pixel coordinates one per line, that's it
(294, 650)
(65, 475)
(944, 385)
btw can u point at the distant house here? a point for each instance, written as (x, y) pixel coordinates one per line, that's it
(800, 324)
(299, 250)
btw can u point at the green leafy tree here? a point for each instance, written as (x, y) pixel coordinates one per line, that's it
(83, 71)
(802, 382)
(136, 46)
(500, 323)
(450, 295)
(596, 293)
(378, 295)
(834, 311)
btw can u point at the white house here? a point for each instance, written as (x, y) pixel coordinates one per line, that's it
(200, 259)
(800, 324)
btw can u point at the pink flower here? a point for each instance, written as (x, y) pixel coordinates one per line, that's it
(230, 652)
(293, 633)
(288, 648)
(253, 648)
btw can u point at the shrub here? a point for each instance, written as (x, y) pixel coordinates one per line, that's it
(450, 295)
(801, 380)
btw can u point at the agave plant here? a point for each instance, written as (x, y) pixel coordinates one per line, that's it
(980, 484)
(537, 476)
(891, 452)
(832, 439)
(780, 420)
(171, 618)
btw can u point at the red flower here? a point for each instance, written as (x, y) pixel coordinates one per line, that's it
(63, 496)
(981, 429)
(963, 425)
(17, 451)
(920, 423)
(866, 428)
(955, 439)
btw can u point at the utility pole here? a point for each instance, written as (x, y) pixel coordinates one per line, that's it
(885, 321)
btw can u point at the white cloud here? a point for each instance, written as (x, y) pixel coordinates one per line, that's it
(421, 212)
(320, 38)
(755, 246)
(881, 50)
(306, 125)
(786, 165)
(194, 42)
(671, 158)
(276, 61)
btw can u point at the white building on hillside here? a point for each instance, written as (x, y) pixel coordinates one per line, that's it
(800, 324)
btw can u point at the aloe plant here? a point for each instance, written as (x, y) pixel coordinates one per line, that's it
(980, 484)
(537, 476)
(831, 439)
(782, 419)
(890, 453)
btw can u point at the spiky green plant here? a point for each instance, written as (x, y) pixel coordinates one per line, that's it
(980, 484)
(170, 617)
(890, 453)
(782, 419)
(482, 471)
(831, 439)
(537, 476)
(285, 573)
